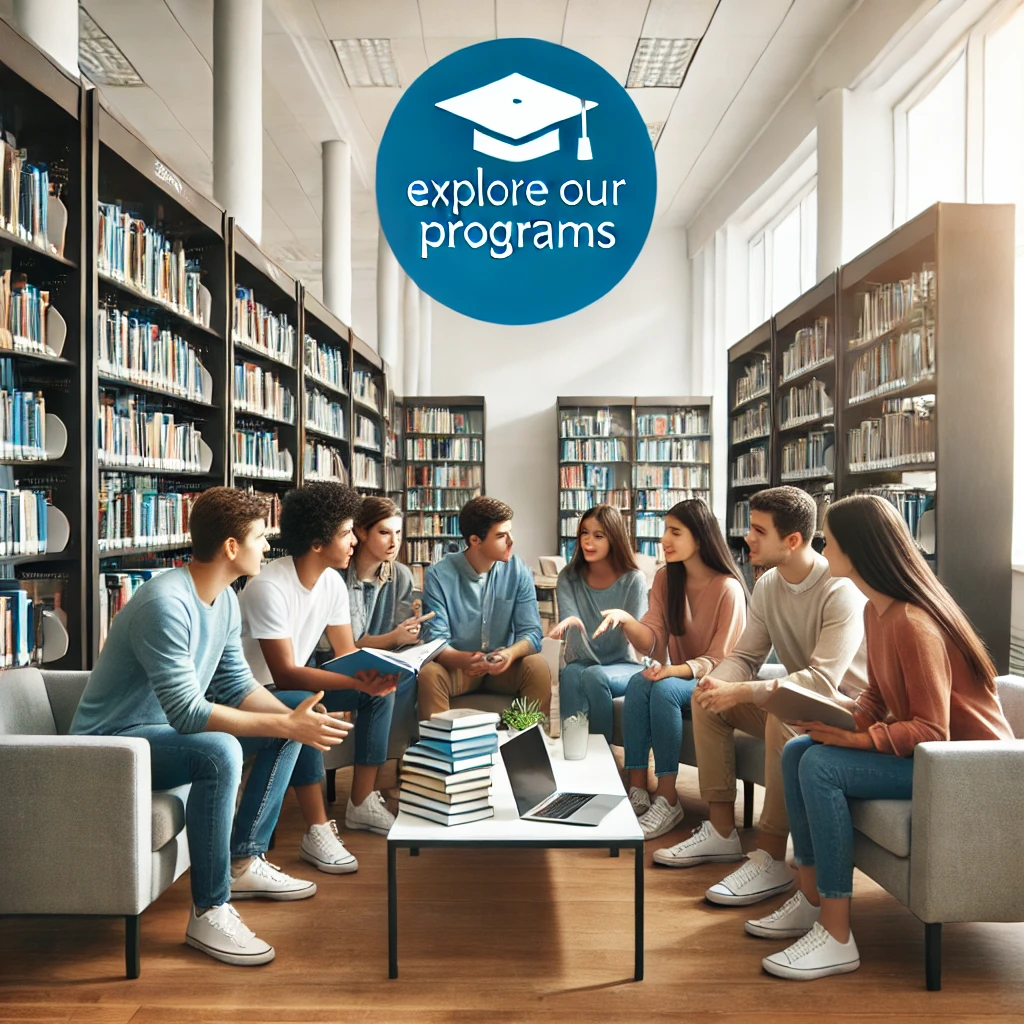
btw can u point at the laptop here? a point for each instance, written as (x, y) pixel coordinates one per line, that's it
(528, 765)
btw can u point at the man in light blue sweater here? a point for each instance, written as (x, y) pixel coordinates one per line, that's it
(485, 607)
(172, 672)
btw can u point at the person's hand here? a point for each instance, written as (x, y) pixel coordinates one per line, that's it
(405, 633)
(833, 736)
(717, 697)
(492, 664)
(375, 684)
(313, 728)
(474, 666)
(565, 625)
(656, 671)
(614, 618)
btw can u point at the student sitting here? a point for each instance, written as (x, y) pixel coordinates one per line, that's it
(698, 610)
(929, 678)
(485, 607)
(815, 624)
(172, 672)
(602, 574)
(284, 612)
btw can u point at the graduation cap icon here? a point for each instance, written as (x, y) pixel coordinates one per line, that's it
(517, 107)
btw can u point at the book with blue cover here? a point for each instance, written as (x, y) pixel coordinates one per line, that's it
(451, 763)
(406, 662)
(465, 748)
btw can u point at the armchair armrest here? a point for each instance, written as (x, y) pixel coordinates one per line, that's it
(77, 824)
(967, 809)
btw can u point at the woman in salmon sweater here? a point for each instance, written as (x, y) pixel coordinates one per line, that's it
(697, 610)
(929, 678)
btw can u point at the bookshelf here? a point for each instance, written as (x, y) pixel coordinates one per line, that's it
(369, 393)
(394, 447)
(444, 456)
(642, 455)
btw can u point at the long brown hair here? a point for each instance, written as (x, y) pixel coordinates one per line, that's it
(373, 510)
(620, 551)
(714, 552)
(874, 536)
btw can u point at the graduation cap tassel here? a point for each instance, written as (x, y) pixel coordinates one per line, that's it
(583, 149)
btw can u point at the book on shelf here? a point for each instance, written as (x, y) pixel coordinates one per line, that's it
(579, 500)
(259, 327)
(116, 589)
(751, 423)
(673, 450)
(24, 199)
(365, 389)
(325, 363)
(443, 421)
(367, 432)
(683, 422)
(450, 797)
(811, 346)
(444, 819)
(751, 467)
(26, 315)
(887, 305)
(135, 431)
(688, 478)
(444, 475)
(324, 462)
(325, 415)
(405, 662)
(809, 402)
(23, 521)
(258, 453)
(439, 499)
(662, 499)
(754, 381)
(428, 552)
(808, 457)
(367, 471)
(260, 391)
(594, 450)
(791, 703)
(138, 516)
(22, 417)
(895, 363)
(456, 449)
(600, 423)
(903, 435)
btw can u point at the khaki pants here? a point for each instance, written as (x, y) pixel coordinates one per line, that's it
(716, 758)
(528, 677)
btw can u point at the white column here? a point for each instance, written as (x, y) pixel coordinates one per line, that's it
(336, 224)
(53, 26)
(387, 301)
(411, 336)
(426, 329)
(238, 111)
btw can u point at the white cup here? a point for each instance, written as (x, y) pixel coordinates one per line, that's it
(575, 737)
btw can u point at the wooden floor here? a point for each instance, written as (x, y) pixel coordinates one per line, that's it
(543, 936)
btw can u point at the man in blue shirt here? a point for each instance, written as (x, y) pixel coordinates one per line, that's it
(485, 607)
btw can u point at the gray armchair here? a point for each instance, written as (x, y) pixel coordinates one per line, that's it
(926, 851)
(86, 795)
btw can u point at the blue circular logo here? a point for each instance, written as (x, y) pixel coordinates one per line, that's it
(516, 181)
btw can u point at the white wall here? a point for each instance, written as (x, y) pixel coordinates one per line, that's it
(634, 341)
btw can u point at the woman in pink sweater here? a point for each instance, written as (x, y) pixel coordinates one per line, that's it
(929, 678)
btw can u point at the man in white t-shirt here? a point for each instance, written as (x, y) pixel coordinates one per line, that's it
(285, 611)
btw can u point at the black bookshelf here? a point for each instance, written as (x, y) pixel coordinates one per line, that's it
(394, 450)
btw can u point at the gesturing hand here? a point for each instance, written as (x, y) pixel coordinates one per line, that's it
(407, 632)
(832, 736)
(614, 618)
(314, 728)
(563, 627)
(375, 684)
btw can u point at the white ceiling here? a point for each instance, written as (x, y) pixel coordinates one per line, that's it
(752, 55)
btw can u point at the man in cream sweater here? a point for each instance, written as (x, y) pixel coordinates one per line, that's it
(816, 625)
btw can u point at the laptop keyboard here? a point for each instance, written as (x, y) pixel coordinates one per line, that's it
(564, 806)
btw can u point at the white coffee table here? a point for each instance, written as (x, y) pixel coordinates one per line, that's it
(597, 773)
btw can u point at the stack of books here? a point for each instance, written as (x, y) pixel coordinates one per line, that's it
(446, 777)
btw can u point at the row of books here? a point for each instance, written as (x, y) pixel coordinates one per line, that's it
(661, 500)
(739, 523)
(601, 478)
(464, 449)
(272, 507)
(132, 431)
(895, 363)
(324, 462)
(23, 309)
(595, 450)
(754, 381)
(147, 259)
(567, 548)
(260, 391)
(903, 435)
(22, 418)
(650, 525)
(140, 518)
(443, 475)
(887, 305)
(910, 502)
(685, 422)
(367, 432)
(668, 477)
(600, 423)
(432, 525)
(23, 521)
(365, 389)
(135, 349)
(809, 402)
(811, 346)
(367, 471)
(675, 450)
(325, 363)
(443, 421)
(25, 196)
(580, 500)
(569, 526)
(751, 467)
(116, 589)
(445, 499)
(258, 453)
(651, 548)
(259, 327)
(808, 457)
(753, 422)
(326, 415)
(393, 479)
(429, 551)
(18, 626)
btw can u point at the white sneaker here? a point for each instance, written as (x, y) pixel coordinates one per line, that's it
(796, 917)
(703, 847)
(322, 846)
(816, 955)
(661, 818)
(369, 816)
(639, 800)
(759, 879)
(263, 880)
(222, 934)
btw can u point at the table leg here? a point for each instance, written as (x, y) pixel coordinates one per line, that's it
(638, 912)
(392, 913)
(613, 851)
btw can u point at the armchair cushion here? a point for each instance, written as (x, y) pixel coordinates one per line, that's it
(887, 822)
(168, 815)
(24, 707)
(64, 690)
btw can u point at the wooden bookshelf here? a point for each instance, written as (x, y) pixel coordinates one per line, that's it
(369, 394)
(445, 466)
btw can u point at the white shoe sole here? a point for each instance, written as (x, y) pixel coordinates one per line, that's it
(764, 932)
(360, 827)
(692, 862)
(235, 959)
(663, 828)
(269, 894)
(731, 900)
(795, 974)
(345, 868)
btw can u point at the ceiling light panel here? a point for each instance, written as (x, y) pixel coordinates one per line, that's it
(99, 57)
(367, 62)
(654, 129)
(660, 63)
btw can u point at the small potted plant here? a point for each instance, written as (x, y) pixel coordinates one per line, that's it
(522, 714)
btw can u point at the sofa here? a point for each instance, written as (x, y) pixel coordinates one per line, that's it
(83, 832)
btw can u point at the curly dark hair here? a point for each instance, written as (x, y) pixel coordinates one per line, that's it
(478, 515)
(312, 514)
(220, 513)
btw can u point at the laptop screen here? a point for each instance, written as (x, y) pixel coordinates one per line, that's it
(529, 768)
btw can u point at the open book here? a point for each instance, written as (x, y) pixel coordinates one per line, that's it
(792, 703)
(406, 662)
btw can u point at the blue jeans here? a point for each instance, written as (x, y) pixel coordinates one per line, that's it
(819, 782)
(212, 763)
(653, 717)
(590, 689)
